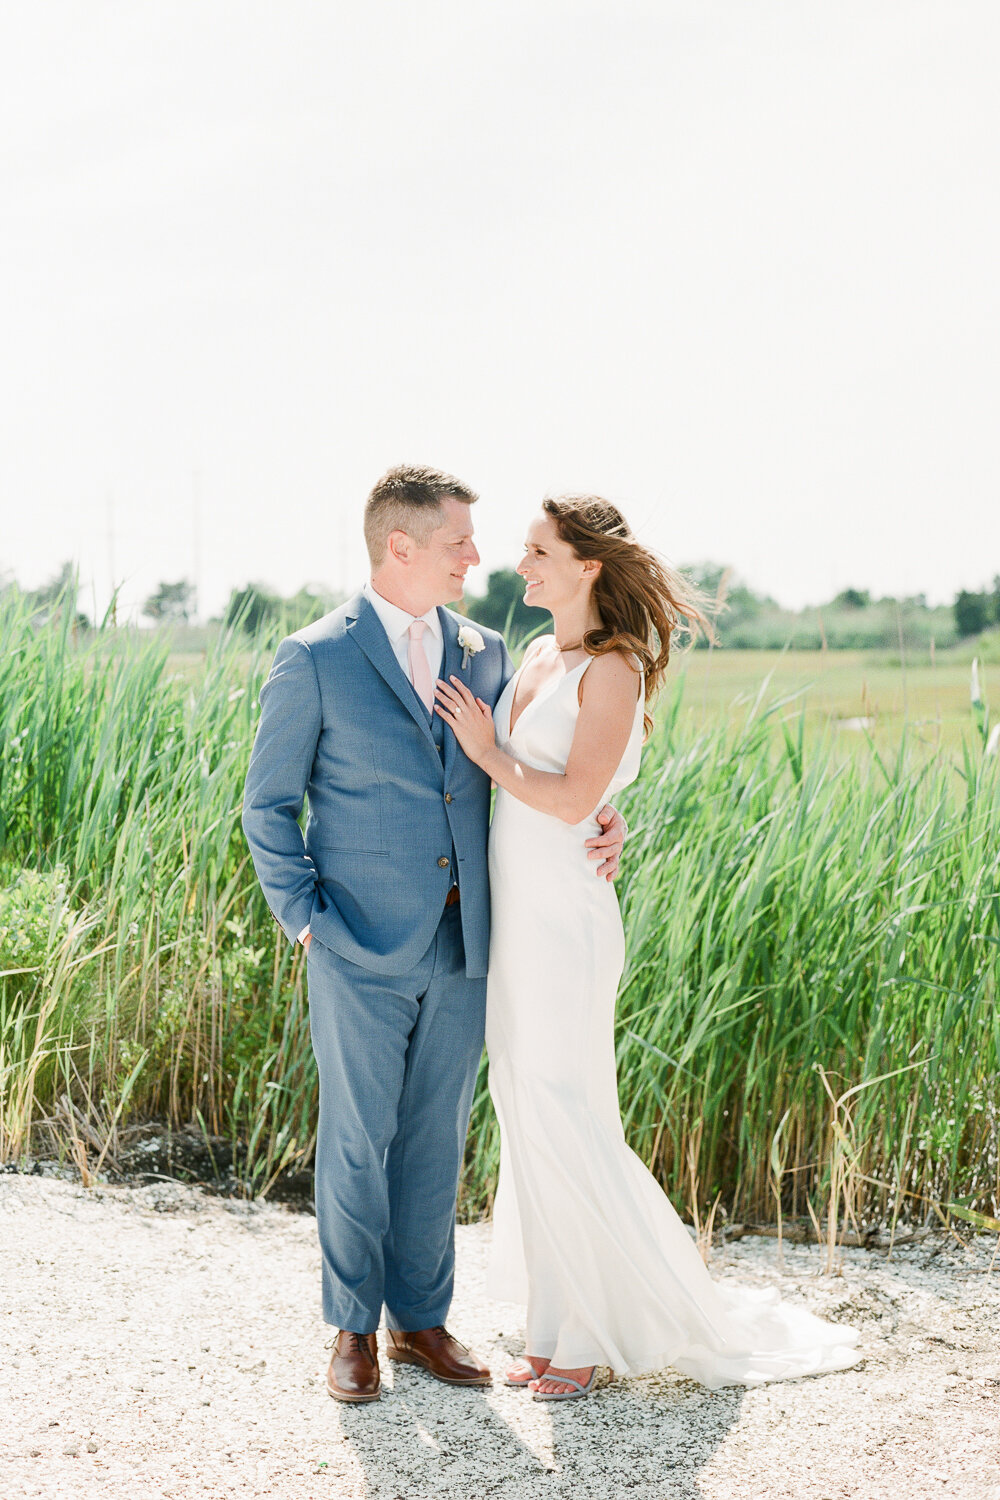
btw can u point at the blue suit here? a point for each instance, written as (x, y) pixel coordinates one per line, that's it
(397, 979)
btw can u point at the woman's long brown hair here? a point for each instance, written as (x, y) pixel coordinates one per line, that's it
(640, 599)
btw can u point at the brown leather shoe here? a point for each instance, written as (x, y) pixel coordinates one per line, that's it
(439, 1354)
(353, 1374)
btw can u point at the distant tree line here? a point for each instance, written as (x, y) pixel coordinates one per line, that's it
(502, 607)
(975, 613)
(171, 604)
(59, 594)
(852, 620)
(256, 607)
(744, 619)
(747, 620)
(251, 609)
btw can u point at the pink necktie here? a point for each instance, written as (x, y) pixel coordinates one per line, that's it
(420, 672)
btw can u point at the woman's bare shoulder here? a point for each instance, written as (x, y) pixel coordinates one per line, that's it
(614, 674)
(613, 667)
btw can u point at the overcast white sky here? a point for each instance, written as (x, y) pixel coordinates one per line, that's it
(733, 265)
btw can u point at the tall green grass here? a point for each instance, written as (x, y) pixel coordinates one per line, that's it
(146, 977)
(808, 1020)
(802, 928)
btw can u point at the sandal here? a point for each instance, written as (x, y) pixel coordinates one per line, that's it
(575, 1394)
(528, 1369)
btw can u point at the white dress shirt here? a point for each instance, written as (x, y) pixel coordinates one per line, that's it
(396, 623)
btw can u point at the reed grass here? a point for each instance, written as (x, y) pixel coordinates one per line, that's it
(808, 1020)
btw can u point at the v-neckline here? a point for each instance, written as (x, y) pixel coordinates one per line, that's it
(512, 723)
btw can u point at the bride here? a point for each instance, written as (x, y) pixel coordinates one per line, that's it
(582, 1231)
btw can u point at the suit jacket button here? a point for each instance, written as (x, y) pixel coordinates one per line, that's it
(444, 862)
(447, 796)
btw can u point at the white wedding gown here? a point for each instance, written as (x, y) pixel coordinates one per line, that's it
(582, 1232)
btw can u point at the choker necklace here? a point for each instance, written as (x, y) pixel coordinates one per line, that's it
(575, 646)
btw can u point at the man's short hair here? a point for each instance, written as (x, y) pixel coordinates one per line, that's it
(408, 498)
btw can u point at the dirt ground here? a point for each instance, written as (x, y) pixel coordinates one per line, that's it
(159, 1342)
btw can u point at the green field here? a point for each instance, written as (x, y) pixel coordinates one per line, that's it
(853, 694)
(809, 1014)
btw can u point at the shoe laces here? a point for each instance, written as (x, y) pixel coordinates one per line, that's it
(442, 1332)
(359, 1345)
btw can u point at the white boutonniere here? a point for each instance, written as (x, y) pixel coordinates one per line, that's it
(471, 643)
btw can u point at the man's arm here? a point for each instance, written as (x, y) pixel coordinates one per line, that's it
(280, 767)
(607, 846)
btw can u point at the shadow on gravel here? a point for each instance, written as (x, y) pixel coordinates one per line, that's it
(647, 1438)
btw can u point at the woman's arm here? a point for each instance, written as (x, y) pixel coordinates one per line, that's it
(610, 686)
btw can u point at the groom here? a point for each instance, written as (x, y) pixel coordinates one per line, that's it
(388, 891)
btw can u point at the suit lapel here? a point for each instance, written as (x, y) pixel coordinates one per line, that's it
(451, 666)
(367, 632)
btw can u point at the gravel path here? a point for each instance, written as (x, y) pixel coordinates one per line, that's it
(158, 1342)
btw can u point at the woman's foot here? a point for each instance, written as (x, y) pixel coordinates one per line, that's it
(552, 1385)
(526, 1369)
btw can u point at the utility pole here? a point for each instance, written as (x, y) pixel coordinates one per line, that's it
(342, 550)
(113, 605)
(196, 542)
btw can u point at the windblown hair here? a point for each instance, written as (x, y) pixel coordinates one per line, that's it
(641, 600)
(408, 498)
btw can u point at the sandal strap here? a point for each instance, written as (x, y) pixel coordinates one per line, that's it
(563, 1380)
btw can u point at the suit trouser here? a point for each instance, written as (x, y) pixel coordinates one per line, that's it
(397, 1060)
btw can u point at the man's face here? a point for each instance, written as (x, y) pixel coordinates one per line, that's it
(437, 571)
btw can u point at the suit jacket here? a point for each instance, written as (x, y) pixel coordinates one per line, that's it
(342, 726)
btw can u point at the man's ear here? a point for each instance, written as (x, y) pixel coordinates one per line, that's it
(399, 546)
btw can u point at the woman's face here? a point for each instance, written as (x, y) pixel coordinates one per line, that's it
(553, 574)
